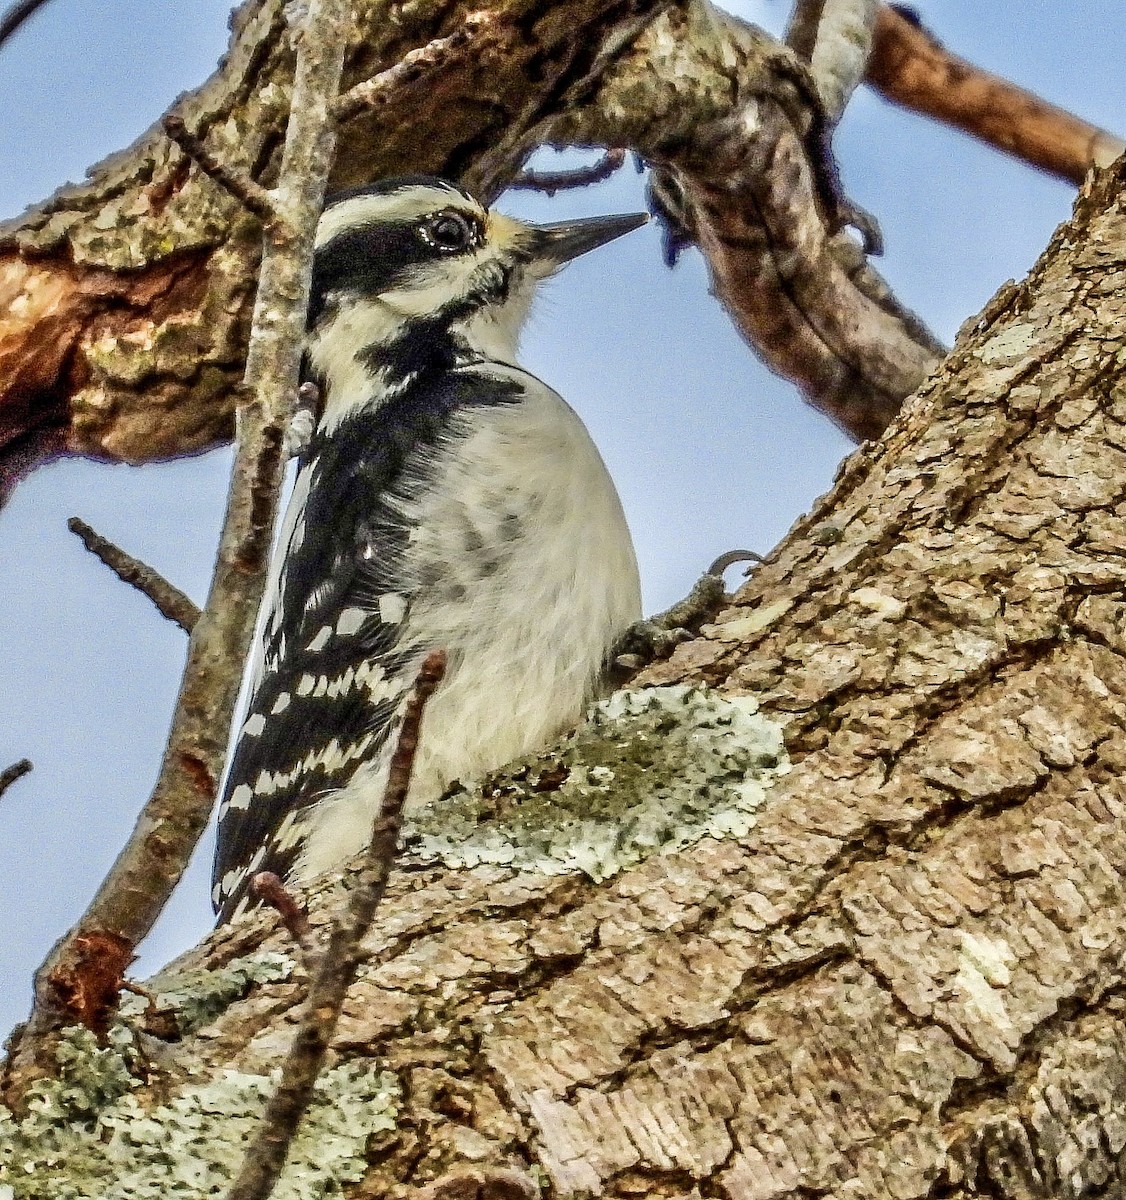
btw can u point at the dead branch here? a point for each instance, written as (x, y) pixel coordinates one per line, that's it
(16, 16)
(271, 891)
(80, 981)
(170, 602)
(252, 196)
(550, 182)
(909, 66)
(266, 1156)
(17, 770)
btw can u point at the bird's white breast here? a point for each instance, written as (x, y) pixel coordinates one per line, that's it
(521, 566)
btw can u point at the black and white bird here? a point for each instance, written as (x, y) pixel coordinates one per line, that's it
(446, 498)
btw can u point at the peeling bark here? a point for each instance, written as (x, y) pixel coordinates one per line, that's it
(908, 978)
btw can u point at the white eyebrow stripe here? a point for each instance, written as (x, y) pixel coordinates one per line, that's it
(411, 202)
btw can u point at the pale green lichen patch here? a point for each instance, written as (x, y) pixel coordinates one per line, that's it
(90, 1136)
(650, 772)
(196, 998)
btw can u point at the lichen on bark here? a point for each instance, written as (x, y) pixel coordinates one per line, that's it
(93, 1134)
(649, 772)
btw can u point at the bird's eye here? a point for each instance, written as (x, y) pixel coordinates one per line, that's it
(449, 232)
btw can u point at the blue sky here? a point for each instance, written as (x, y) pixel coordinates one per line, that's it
(709, 450)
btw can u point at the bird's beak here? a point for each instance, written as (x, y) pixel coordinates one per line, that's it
(559, 243)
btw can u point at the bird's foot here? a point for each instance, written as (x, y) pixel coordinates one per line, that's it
(654, 638)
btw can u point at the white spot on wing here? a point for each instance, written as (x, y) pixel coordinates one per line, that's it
(392, 608)
(280, 704)
(254, 725)
(240, 798)
(350, 620)
(321, 640)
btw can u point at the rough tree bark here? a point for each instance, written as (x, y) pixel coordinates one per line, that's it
(865, 943)
(904, 979)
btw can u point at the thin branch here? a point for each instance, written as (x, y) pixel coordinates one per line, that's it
(170, 602)
(269, 888)
(413, 66)
(909, 66)
(550, 182)
(16, 16)
(9, 775)
(265, 1159)
(805, 297)
(80, 981)
(251, 195)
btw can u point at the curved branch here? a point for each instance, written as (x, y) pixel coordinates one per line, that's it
(125, 301)
(14, 17)
(735, 122)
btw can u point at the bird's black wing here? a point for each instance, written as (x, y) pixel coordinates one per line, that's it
(332, 664)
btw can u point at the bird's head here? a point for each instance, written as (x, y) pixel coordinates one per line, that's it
(415, 266)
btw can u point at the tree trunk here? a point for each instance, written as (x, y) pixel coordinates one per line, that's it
(898, 971)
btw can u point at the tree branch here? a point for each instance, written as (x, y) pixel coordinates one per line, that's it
(754, 189)
(16, 16)
(252, 196)
(80, 981)
(170, 602)
(271, 891)
(835, 38)
(17, 770)
(550, 182)
(673, 84)
(266, 1157)
(909, 66)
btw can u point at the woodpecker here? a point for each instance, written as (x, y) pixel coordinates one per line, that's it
(446, 498)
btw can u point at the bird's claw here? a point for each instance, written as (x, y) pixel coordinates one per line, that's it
(654, 638)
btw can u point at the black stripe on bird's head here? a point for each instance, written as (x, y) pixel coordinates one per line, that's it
(417, 270)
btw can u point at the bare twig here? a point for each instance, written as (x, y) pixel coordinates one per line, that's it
(909, 66)
(550, 182)
(171, 603)
(81, 978)
(414, 65)
(16, 16)
(266, 1156)
(269, 888)
(9, 775)
(725, 561)
(835, 38)
(251, 195)
(801, 29)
